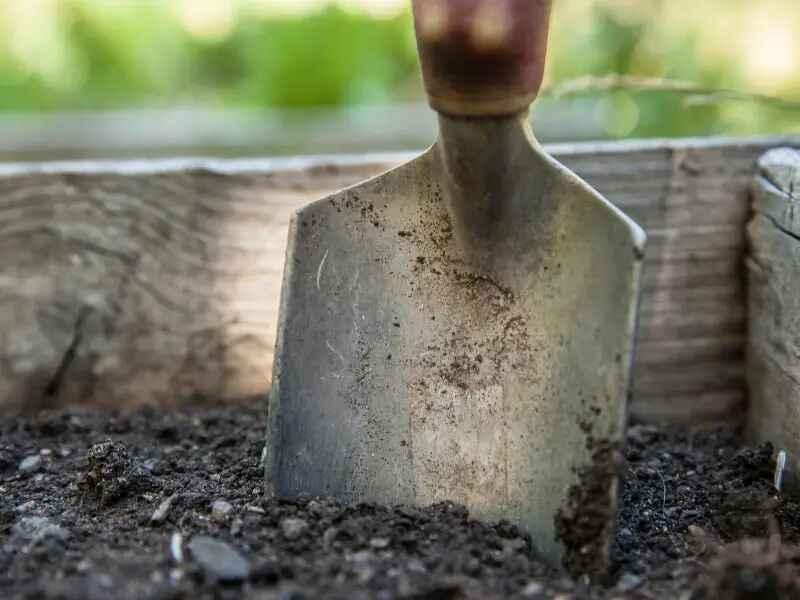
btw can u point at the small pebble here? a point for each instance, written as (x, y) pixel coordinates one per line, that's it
(84, 566)
(515, 545)
(31, 464)
(160, 513)
(532, 590)
(37, 528)
(329, 536)
(218, 559)
(26, 506)
(629, 582)
(293, 528)
(697, 532)
(176, 547)
(362, 565)
(415, 565)
(379, 543)
(236, 527)
(175, 575)
(291, 595)
(473, 567)
(221, 510)
(362, 558)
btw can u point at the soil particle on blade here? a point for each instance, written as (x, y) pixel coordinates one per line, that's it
(583, 524)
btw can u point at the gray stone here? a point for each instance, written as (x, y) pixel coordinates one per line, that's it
(218, 559)
(291, 594)
(38, 528)
(362, 565)
(329, 536)
(236, 527)
(415, 565)
(532, 590)
(176, 547)
(293, 528)
(26, 507)
(221, 510)
(363, 557)
(160, 514)
(31, 464)
(515, 546)
(629, 582)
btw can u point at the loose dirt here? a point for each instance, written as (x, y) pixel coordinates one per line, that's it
(168, 505)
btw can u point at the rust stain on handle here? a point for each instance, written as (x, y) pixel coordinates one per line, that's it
(482, 58)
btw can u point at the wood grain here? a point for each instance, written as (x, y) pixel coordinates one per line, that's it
(158, 282)
(773, 349)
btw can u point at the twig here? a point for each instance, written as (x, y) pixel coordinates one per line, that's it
(699, 93)
(176, 547)
(780, 465)
(663, 487)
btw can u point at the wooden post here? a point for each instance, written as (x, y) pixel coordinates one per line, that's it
(773, 265)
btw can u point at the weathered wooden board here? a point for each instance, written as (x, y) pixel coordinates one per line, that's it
(158, 282)
(773, 348)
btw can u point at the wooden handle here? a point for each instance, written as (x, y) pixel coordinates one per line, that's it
(482, 58)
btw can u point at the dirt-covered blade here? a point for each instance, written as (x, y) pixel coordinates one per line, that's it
(461, 328)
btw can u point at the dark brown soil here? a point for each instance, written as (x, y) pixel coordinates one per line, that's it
(110, 505)
(583, 525)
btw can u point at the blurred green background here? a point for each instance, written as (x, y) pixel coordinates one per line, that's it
(308, 76)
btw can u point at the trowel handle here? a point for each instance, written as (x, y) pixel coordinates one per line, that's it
(482, 58)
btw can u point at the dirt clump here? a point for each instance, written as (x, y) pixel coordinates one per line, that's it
(754, 569)
(582, 525)
(112, 473)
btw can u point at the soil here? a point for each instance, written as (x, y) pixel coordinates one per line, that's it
(168, 505)
(583, 524)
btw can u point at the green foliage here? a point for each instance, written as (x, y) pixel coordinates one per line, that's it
(330, 58)
(128, 54)
(101, 54)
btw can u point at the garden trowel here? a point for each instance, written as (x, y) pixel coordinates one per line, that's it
(461, 328)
